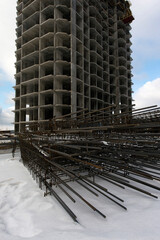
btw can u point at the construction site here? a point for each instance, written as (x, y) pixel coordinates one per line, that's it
(74, 117)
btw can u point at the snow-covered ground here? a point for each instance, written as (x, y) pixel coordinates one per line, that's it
(25, 213)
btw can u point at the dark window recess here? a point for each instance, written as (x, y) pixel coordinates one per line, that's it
(48, 72)
(67, 86)
(48, 113)
(66, 111)
(49, 85)
(66, 100)
(48, 100)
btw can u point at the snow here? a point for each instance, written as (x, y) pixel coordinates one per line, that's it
(26, 214)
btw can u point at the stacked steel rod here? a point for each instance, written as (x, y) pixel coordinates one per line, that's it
(86, 147)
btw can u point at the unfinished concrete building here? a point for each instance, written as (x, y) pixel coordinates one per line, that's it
(71, 54)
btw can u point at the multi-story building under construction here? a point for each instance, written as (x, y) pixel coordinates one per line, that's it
(71, 55)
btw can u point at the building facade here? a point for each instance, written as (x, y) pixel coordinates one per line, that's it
(71, 55)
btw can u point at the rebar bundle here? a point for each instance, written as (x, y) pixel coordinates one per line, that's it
(122, 149)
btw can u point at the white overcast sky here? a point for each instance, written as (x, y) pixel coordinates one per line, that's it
(146, 55)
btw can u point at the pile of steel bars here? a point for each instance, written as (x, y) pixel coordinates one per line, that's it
(8, 142)
(86, 147)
